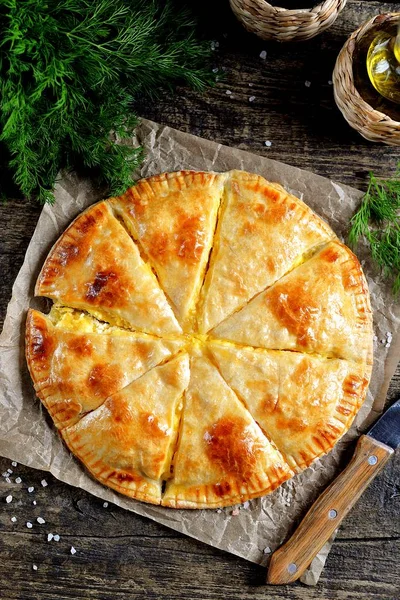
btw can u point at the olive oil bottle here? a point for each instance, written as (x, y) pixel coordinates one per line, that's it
(383, 64)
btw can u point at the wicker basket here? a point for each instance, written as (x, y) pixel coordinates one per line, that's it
(274, 23)
(374, 125)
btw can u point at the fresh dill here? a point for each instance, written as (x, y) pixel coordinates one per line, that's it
(70, 71)
(378, 221)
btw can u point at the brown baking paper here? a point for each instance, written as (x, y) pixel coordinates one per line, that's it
(27, 435)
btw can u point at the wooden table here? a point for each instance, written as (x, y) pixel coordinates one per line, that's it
(123, 556)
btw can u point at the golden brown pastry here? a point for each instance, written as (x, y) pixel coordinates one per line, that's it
(127, 442)
(209, 338)
(95, 266)
(322, 306)
(222, 456)
(303, 403)
(262, 234)
(173, 217)
(76, 362)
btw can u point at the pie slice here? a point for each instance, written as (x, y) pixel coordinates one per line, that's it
(76, 362)
(127, 442)
(222, 456)
(95, 266)
(173, 216)
(304, 404)
(263, 233)
(322, 306)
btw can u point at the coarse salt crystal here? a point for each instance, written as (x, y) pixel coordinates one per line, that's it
(330, 82)
(246, 504)
(40, 520)
(263, 54)
(4, 474)
(49, 537)
(251, 84)
(18, 480)
(34, 567)
(34, 502)
(235, 512)
(73, 551)
(228, 92)
(307, 84)
(8, 480)
(14, 464)
(13, 519)
(268, 143)
(215, 70)
(56, 537)
(375, 338)
(267, 550)
(29, 525)
(9, 499)
(383, 341)
(219, 510)
(10, 471)
(31, 489)
(105, 504)
(44, 483)
(252, 98)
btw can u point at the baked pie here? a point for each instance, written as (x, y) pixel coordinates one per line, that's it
(209, 338)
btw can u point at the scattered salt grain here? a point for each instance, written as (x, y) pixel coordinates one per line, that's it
(219, 510)
(383, 341)
(34, 502)
(18, 480)
(330, 82)
(31, 489)
(34, 567)
(49, 537)
(263, 54)
(40, 520)
(307, 84)
(9, 499)
(10, 471)
(8, 480)
(214, 45)
(73, 551)
(246, 504)
(29, 525)
(268, 143)
(56, 537)
(267, 550)
(375, 338)
(105, 504)
(13, 519)
(44, 483)
(235, 512)
(14, 464)
(251, 84)
(252, 98)
(215, 70)
(4, 474)
(228, 92)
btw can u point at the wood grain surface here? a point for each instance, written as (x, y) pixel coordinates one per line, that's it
(120, 555)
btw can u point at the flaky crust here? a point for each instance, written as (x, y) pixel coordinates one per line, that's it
(209, 338)
(95, 266)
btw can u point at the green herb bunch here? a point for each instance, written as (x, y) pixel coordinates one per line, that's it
(70, 71)
(378, 220)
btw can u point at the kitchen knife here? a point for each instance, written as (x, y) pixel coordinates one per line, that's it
(372, 452)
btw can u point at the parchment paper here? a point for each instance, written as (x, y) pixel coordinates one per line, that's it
(27, 435)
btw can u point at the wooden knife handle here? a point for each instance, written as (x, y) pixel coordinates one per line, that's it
(290, 561)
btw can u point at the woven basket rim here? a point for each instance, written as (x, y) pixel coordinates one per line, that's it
(297, 11)
(349, 48)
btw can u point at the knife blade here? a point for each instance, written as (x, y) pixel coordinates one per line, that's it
(372, 452)
(387, 427)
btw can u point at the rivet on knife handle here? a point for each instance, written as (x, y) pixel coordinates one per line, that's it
(290, 561)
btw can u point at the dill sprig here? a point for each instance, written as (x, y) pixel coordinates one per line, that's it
(70, 71)
(378, 221)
